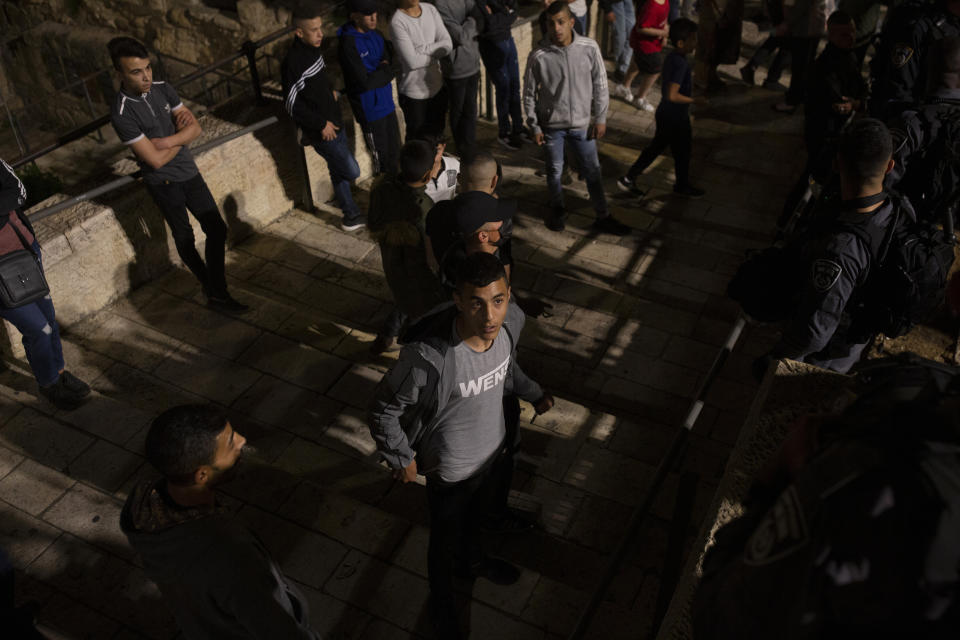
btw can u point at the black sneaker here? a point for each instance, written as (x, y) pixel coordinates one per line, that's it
(556, 221)
(628, 185)
(226, 303)
(61, 396)
(510, 142)
(352, 223)
(496, 571)
(75, 384)
(688, 191)
(746, 72)
(612, 226)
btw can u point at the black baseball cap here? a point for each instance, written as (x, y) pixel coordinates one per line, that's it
(366, 7)
(476, 208)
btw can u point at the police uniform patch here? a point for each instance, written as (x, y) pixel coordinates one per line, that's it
(782, 531)
(824, 274)
(901, 54)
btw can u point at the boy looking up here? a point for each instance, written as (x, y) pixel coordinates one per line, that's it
(673, 114)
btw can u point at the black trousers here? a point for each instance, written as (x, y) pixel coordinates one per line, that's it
(672, 132)
(425, 117)
(456, 512)
(802, 53)
(382, 138)
(463, 112)
(173, 199)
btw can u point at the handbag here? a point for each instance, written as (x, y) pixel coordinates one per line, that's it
(21, 276)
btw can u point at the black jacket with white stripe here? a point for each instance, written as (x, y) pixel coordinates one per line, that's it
(308, 94)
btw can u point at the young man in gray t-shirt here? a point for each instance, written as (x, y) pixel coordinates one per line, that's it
(439, 412)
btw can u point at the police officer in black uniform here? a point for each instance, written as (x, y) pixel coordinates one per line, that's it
(927, 139)
(819, 332)
(898, 70)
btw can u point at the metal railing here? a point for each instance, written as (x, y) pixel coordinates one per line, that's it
(46, 212)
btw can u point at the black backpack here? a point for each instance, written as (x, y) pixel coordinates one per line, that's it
(932, 179)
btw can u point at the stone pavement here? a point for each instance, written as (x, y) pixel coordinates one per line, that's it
(633, 325)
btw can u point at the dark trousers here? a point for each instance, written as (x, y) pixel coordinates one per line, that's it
(772, 44)
(802, 53)
(463, 112)
(425, 117)
(503, 66)
(173, 199)
(382, 138)
(456, 512)
(675, 133)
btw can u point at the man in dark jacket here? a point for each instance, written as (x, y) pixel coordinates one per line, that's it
(311, 101)
(215, 574)
(366, 60)
(461, 70)
(499, 53)
(439, 412)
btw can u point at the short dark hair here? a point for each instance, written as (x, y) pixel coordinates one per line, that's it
(307, 10)
(839, 17)
(682, 29)
(416, 159)
(558, 7)
(480, 269)
(124, 47)
(184, 438)
(865, 148)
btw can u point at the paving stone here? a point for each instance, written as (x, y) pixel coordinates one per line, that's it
(8, 460)
(105, 466)
(554, 606)
(304, 555)
(142, 391)
(43, 440)
(643, 401)
(655, 374)
(294, 362)
(333, 619)
(260, 484)
(105, 583)
(383, 630)
(606, 473)
(286, 406)
(489, 622)
(348, 521)
(92, 516)
(600, 523)
(200, 326)
(275, 277)
(587, 295)
(349, 433)
(108, 418)
(67, 616)
(559, 503)
(207, 375)
(267, 309)
(355, 387)
(22, 536)
(385, 591)
(315, 329)
(339, 301)
(646, 441)
(130, 342)
(339, 244)
(411, 554)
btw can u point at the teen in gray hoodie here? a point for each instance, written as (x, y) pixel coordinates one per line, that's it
(461, 70)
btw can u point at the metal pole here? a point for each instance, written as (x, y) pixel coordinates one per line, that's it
(250, 49)
(13, 127)
(125, 180)
(93, 112)
(640, 513)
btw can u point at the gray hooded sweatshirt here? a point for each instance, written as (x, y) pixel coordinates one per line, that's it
(565, 87)
(215, 575)
(464, 59)
(415, 391)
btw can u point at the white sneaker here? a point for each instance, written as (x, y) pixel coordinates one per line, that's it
(641, 103)
(617, 90)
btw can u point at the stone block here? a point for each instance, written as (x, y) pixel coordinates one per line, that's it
(92, 516)
(334, 619)
(283, 279)
(8, 460)
(350, 434)
(294, 362)
(353, 523)
(383, 630)
(44, 440)
(385, 591)
(411, 554)
(287, 406)
(554, 606)
(492, 622)
(141, 391)
(207, 375)
(356, 386)
(303, 555)
(560, 503)
(200, 326)
(22, 536)
(335, 242)
(606, 473)
(68, 616)
(314, 328)
(105, 465)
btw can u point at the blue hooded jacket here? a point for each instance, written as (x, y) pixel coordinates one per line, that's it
(367, 63)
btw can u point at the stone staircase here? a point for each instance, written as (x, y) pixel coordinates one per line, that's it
(632, 326)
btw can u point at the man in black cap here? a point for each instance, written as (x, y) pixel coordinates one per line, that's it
(398, 207)
(476, 220)
(367, 63)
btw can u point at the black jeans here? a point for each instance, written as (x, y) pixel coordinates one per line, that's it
(802, 53)
(672, 132)
(456, 512)
(463, 112)
(173, 199)
(425, 117)
(500, 59)
(382, 138)
(772, 44)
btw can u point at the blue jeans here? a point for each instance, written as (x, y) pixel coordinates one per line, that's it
(625, 18)
(580, 24)
(343, 170)
(586, 152)
(37, 323)
(503, 66)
